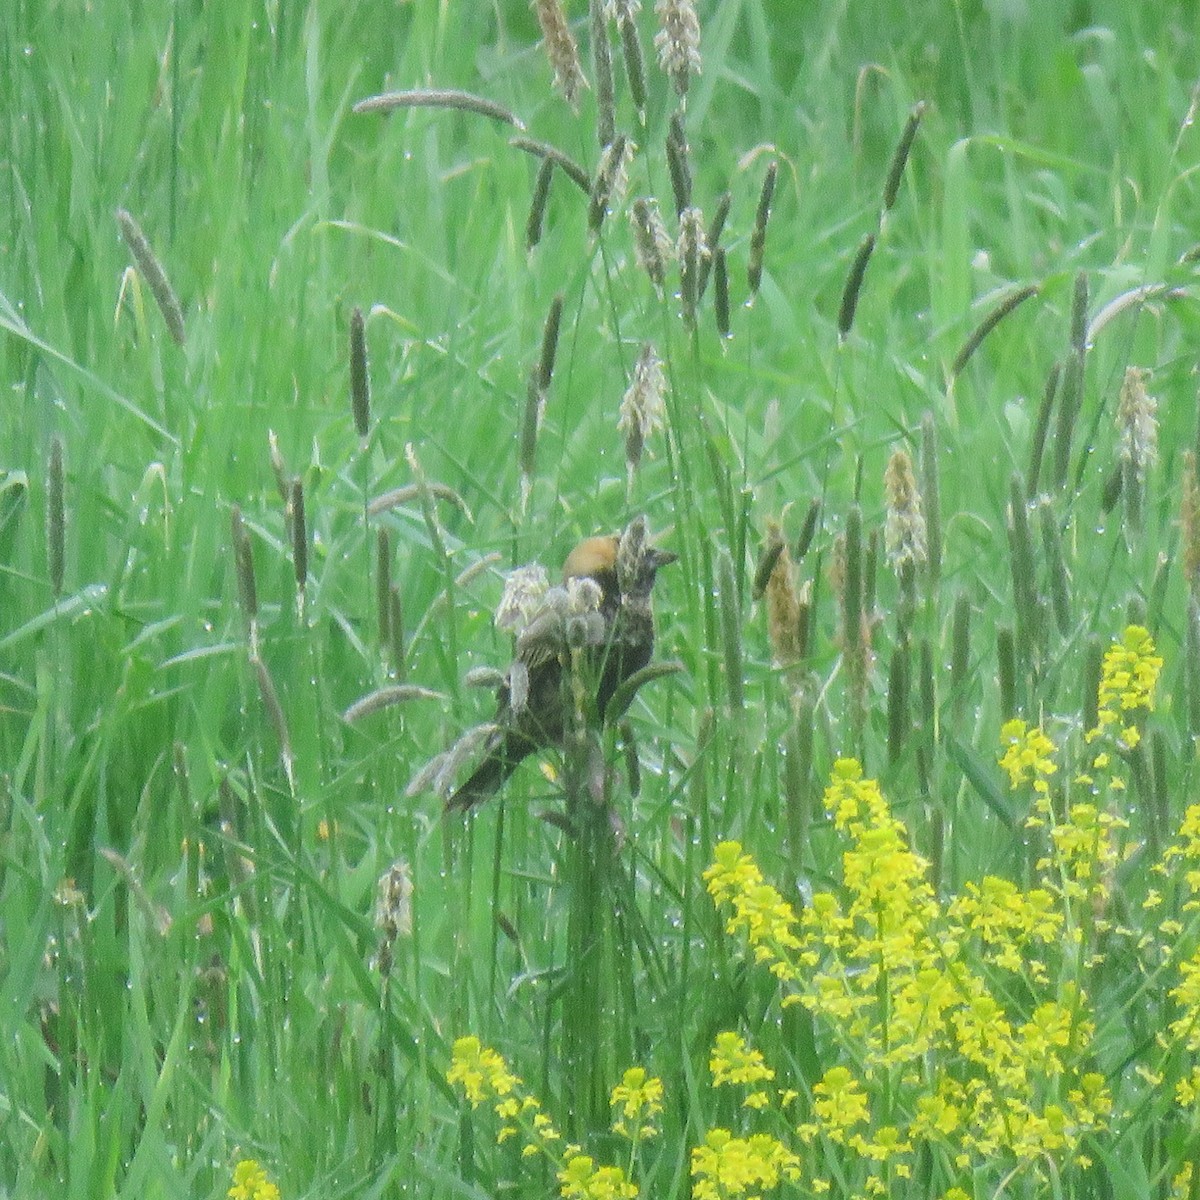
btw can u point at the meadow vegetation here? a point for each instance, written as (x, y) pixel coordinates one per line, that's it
(317, 321)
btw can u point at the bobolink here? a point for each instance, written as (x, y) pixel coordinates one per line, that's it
(601, 617)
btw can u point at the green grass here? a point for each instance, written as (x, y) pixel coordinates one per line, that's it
(186, 966)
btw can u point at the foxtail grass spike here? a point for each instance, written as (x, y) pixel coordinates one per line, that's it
(1079, 317)
(720, 291)
(387, 697)
(561, 50)
(691, 252)
(243, 561)
(643, 409)
(1137, 420)
(852, 583)
(906, 536)
(804, 621)
(853, 286)
(1060, 581)
(1009, 304)
(635, 60)
(1006, 655)
(898, 720)
(1160, 788)
(808, 530)
(152, 272)
(783, 600)
(388, 102)
(396, 651)
(731, 633)
(713, 238)
(931, 497)
(383, 584)
(678, 42)
(537, 203)
(56, 518)
(679, 165)
(299, 528)
(771, 552)
(602, 75)
(411, 491)
(758, 235)
(550, 342)
(360, 383)
(1040, 429)
(1024, 575)
(891, 187)
(1069, 400)
(543, 150)
(270, 699)
(535, 399)
(870, 574)
(651, 244)
(612, 161)
(928, 691)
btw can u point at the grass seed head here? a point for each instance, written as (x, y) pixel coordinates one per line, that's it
(561, 50)
(678, 42)
(651, 242)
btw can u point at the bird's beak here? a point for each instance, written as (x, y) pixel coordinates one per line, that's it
(662, 557)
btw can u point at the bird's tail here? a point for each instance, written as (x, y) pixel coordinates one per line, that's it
(501, 760)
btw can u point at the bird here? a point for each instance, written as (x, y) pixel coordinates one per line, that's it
(601, 619)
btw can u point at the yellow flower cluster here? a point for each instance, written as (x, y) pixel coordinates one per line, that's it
(250, 1182)
(895, 976)
(484, 1076)
(733, 1061)
(1128, 678)
(1027, 755)
(726, 1165)
(639, 1097)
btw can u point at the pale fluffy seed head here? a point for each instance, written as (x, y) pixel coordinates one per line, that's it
(904, 527)
(561, 50)
(524, 595)
(1137, 418)
(678, 42)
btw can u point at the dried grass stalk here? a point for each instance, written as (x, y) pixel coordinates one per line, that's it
(537, 203)
(715, 228)
(1007, 305)
(388, 102)
(543, 150)
(853, 286)
(153, 273)
(891, 187)
(360, 382)
(758, 235)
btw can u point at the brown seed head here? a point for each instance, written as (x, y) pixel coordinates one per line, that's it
(561, 50)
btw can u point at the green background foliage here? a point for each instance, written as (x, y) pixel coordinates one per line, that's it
(187, 966)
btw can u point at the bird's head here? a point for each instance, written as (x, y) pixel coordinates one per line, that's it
(638, 561)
